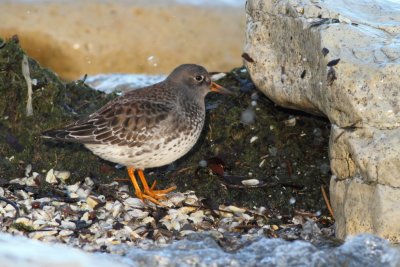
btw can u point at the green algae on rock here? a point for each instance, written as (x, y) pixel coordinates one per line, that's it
(54, 104)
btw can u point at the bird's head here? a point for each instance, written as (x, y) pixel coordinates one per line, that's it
(192, 77)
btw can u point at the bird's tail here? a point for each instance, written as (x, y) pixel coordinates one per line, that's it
(59, 134)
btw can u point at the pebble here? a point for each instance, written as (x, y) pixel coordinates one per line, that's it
(202, 163)
(248, 116)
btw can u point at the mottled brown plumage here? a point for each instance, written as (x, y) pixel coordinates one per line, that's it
(148, 127)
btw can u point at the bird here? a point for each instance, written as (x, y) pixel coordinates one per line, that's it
(148, 127)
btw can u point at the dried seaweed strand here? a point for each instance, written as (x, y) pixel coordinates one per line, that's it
(27, 76)
(328, 204)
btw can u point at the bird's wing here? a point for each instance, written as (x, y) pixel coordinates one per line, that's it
(124, 121)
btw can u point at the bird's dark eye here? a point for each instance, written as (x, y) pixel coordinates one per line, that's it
(199, 78)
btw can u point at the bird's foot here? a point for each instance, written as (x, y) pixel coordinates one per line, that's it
(157, 194)
(142, 195)
(148, 193)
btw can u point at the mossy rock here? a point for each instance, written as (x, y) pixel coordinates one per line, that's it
(54, 103)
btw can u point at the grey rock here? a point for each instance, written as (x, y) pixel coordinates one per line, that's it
(340, 59)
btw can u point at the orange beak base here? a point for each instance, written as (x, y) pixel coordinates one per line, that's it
(219, 89)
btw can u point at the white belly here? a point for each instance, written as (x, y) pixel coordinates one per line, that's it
(149, 155)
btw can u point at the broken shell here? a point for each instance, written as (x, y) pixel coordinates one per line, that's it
(253, 139)
(262, 163)
(28, 170)
(290, 122)
(62, 175)
(22, 194)
(137, 213)
(134, 202)
(88, 181)
(68, 225)
(65, 232)
(50, 177)
(93, 202)
(250, 182)
(217, 76)
(24, 221)
(41, 234)
(72, 188)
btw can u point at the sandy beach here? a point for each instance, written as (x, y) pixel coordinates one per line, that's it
(74, 38)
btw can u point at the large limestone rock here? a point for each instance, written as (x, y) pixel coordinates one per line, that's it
(340, 59)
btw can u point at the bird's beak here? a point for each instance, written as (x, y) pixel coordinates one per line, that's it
(219, 89)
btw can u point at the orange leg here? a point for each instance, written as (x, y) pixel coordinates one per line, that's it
(138, 191)
(148, 193)
(157, 194)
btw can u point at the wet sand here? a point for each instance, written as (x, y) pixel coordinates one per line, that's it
(75, 38)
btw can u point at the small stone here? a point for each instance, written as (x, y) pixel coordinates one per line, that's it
(325, 168)
(50, 177)
(248, 116)
(202, 163)
(254, 96)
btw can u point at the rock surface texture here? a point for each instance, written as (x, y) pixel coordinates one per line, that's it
(340, 59)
